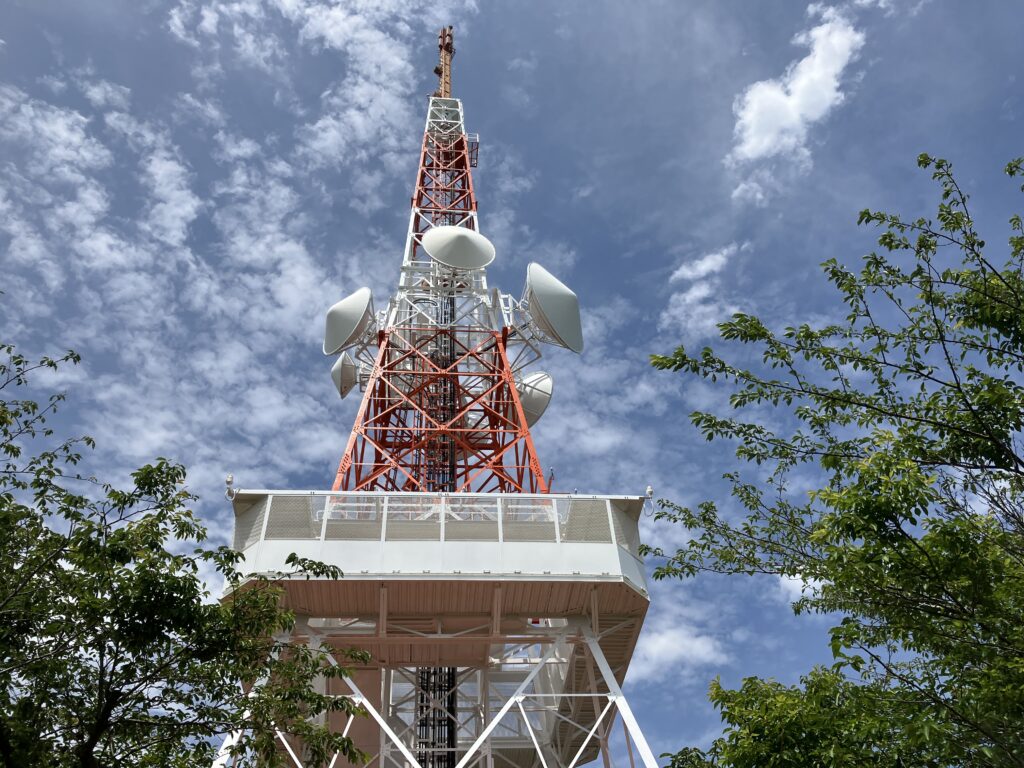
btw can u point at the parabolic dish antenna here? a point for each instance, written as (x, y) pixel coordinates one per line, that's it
(347, 320)
(345, 374)
(535, 394)
(458, 247)
(554, 308)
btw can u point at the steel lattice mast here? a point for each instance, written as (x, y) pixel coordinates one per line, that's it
(441, 411)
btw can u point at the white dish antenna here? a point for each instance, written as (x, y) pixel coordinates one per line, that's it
(347, 321)
(554, 308)
(535, 394)
(345, 374)
(458, 247)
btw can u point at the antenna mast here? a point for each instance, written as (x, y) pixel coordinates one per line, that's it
(443, 70)
(441, 410)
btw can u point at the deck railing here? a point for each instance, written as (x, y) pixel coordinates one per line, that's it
(334, 516)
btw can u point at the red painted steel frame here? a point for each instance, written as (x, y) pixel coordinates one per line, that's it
(407, 435)
(398, 441)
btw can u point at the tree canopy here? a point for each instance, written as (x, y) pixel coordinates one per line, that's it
(112, 651)
(908, 413)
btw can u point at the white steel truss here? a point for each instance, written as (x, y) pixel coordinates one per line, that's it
(520, 709)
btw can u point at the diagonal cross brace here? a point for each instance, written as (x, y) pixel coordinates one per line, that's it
(619, 698)
(512, 700)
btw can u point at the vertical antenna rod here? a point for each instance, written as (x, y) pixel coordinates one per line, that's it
(443, 70)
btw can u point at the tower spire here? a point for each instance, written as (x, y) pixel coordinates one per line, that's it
(443, 70)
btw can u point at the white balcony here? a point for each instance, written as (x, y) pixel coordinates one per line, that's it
(423, 536)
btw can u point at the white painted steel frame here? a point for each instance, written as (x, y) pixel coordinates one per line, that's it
(577, 632)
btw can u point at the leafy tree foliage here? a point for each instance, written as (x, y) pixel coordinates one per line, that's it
(111, 651)
(909, 413)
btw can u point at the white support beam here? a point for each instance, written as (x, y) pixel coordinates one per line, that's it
(629, 745)
(529, 730)
(381, 722)
(224, 753)
(620, 700)
(496, 612)
(593, 730)
(506, 707)
(288, 747)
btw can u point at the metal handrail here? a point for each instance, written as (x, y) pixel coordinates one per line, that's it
(512, 518)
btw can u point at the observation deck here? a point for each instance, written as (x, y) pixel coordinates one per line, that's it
(550, 538)
(476, 582)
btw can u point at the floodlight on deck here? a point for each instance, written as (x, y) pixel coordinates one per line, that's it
(347, 321)
(458, 247)
(554, 308)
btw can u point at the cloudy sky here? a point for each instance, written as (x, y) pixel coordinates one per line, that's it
(186, 186)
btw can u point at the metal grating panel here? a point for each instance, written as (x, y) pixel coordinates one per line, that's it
(413, 530)
(414, 519)
(355, 518)
(528, 520)
(471, 530)
(293, 517)
(249, 524)
(471, 518)
(353, 530)
(585, 520)
(627, 535)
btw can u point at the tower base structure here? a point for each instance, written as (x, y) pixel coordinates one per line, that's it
(500, 626)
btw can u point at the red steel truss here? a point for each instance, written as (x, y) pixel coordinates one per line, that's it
(408, 436)
(444, 187)
(441, 411)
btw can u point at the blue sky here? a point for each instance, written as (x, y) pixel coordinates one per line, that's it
(185, 187)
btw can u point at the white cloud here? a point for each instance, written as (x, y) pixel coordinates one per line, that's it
(55, 84)
(694, 313)
(673, 646)
(205, 110)
(56, 140)
(523, 63)
(368, 113)
(362, 121)
(173, 205)
(197, 348)
(103, 94)
(517, 97)
(708, 264)
(507, 181)
(232, 147)
(695, 310)
(883, 5)
(750, 191)
(773, 116)
(792, 588)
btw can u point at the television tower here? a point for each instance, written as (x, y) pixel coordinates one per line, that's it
(441, 409)
(500, 617)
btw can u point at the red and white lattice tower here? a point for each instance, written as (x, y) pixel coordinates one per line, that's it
(441, 411)
(500, 617)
